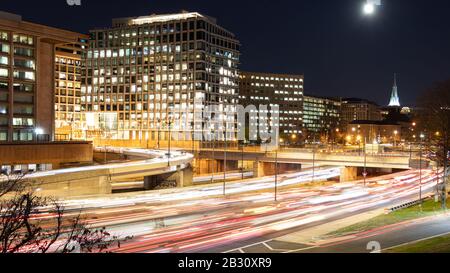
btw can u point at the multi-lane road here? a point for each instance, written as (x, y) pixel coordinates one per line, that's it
(199, 219)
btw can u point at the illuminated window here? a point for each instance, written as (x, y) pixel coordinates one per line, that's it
(4, 72)
(4, 48)
(24, 75)
(4, 36)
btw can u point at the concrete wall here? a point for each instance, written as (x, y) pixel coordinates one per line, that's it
(261, 169)
(55, 153)
(74, 184)
(349, 174)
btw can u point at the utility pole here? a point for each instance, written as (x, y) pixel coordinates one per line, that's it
(444, 175)
(242, 160)
(225, 160)
(420, 171)
(314, 160)
(276, 174)
(213, 156)
(159, 129)
(365, 161)
(170, 136)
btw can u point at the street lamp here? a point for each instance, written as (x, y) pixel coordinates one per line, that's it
(38, 131)
(422, 136)
(276, 174)
(358, 138)
(395, 138)
(335, 138)
(349, 139)
(170, 136)
(159, 130)
(314, 159)
(225, 159)
(365, 161)
(242, 158)
(294, 138)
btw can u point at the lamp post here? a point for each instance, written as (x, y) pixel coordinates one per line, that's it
(193, 136)
(395, 138)
(294, 138)
(170, 136)
(314, 159)
(335, 139)
(71, 128)
(225, 160)
(422, 136)
(365, 161)
(358, 138)
(159, 129)
(211, 135)
(213, 155)
(242, 159)
(276, 174)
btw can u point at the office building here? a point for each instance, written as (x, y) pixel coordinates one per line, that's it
(157, 73)
(68, 115)
(321, 117)
(27, 84)
(359, 109)
(374, 132)
(27, 98)
(283, 90)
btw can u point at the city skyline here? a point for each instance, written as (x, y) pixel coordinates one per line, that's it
(227, 130)
(357, 55)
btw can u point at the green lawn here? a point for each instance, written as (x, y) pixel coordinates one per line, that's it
(434, 245)
(429, 208)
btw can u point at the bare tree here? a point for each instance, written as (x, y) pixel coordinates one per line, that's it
(434, 121)
(23, 228)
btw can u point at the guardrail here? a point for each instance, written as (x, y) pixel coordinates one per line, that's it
(407, 205)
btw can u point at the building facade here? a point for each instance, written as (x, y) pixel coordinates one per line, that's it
(68, 115)
(374, 132)
(282, 90)
(359, 109)
(27, 98)
(27, 84)
(157, 73)
(321, 117)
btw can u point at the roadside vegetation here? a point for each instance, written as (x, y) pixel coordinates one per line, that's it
(428, 208)
(439, 244)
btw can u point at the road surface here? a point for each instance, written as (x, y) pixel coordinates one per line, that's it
(199, 220)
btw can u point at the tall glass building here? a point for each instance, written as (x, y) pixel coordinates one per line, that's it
(158, 71)
(321, 117)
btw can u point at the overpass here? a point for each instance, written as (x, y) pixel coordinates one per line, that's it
(293, 159)
(154, 168)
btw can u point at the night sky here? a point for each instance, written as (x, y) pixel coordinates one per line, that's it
(340, 51)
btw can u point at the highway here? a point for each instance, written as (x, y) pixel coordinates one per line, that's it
(387, 237)
(197, 180)
(198, 219)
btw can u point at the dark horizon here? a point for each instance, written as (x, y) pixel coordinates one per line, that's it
(340, 51)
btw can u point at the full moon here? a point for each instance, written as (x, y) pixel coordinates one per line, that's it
(369, 8)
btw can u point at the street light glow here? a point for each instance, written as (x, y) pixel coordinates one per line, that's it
(39, 131)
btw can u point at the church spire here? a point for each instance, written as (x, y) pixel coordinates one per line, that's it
(395, 100)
